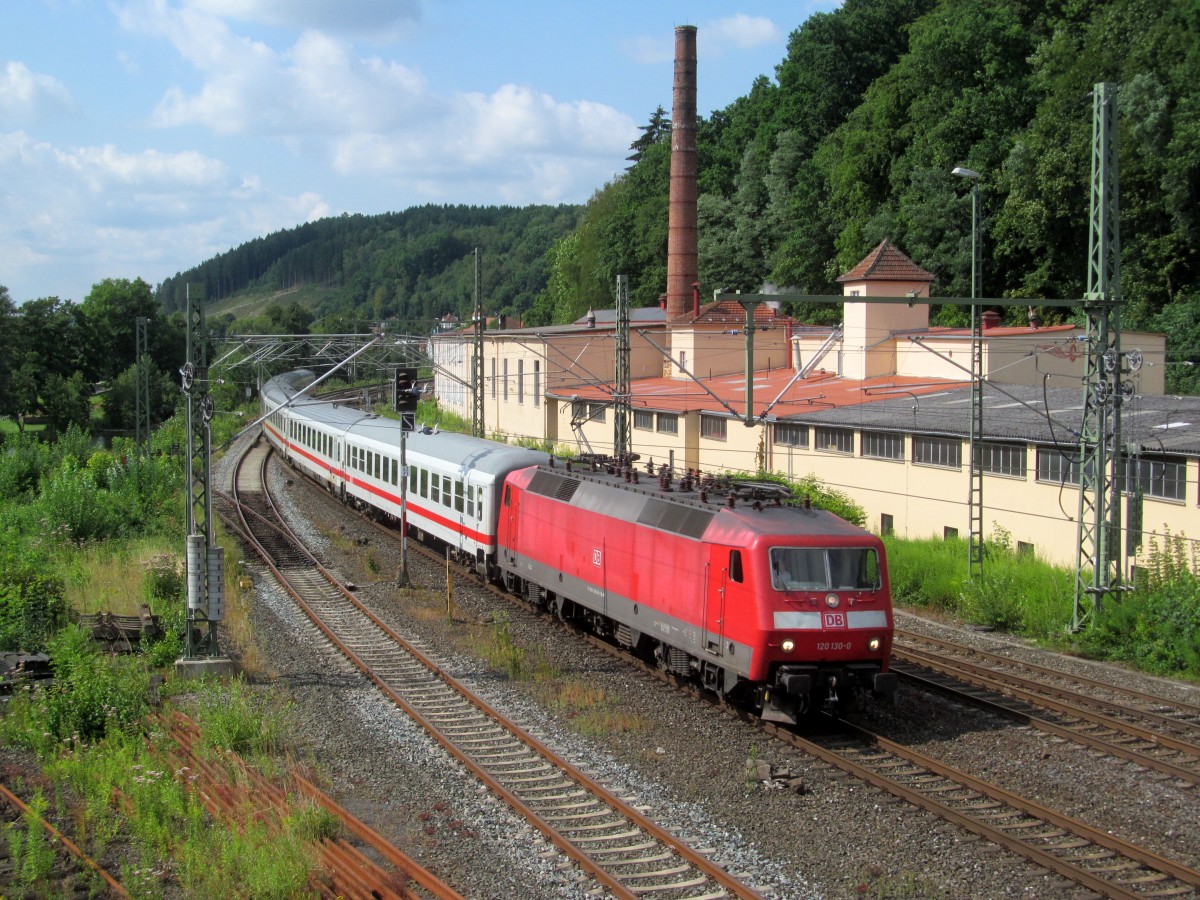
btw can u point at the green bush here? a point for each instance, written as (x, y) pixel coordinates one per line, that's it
(32, 604)
(91, 695)
(23, 458)
(1156, 627)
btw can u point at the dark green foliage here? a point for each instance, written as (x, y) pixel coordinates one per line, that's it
(22, 459)
(120, 403)
(32, 607)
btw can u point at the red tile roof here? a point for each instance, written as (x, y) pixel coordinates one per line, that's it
(731, 312)
(818, 391)
(886, 263)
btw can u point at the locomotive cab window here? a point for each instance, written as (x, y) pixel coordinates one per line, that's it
(819, 569)
(735, 566)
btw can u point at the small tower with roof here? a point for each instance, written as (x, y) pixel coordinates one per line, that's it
(885, 272)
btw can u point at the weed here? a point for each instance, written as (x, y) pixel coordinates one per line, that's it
(505, 653)
(236, 718)
(28, 845)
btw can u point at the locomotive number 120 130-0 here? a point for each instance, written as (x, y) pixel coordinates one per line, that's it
(833, 645)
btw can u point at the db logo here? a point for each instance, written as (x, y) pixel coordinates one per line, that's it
(834, 619)
(597, 557)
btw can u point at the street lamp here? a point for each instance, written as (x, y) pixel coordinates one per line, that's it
(976, 244)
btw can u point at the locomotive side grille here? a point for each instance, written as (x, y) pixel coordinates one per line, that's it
(674, 518)
(550, 485)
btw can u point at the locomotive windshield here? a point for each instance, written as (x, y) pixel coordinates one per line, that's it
(824, 569)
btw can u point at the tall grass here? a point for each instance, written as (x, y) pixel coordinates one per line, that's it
(1155, 626)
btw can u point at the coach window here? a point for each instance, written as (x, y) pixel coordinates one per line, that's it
(458, 496)
(412, 479)
(395, 472)
(424, 483)
(435, 489)
(378, 463)
(735, 566)
(446, 490)
(470, 502)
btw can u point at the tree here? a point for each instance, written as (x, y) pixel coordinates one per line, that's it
(120, 403)
(656, 131)
(8, 342)
(66, 401)
(110, 313)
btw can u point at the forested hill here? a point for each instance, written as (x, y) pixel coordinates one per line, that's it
(416, 265)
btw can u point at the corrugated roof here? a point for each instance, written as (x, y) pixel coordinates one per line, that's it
(886, 263)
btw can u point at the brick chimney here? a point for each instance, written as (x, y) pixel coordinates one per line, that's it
(682, 268)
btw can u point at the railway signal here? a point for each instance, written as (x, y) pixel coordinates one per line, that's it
(408, 395)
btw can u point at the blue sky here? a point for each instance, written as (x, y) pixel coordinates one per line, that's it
(141, 137)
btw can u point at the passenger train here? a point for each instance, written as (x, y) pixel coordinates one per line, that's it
(783, 606)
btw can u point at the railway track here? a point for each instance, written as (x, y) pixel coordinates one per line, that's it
(1081, 854)
(618, 846)
(1130, 725)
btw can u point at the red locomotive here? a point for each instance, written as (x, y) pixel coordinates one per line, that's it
(788, 607)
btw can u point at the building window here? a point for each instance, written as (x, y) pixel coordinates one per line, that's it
(537, 382)
(838, 440)
(887, 524)
(1155, 477)
(949, 533)
(937, 451)
(1056, 467)
(712, 427)
(1024, 548)
(1001, 459)
(668, 423)
(520, 381)
(506, 381)
(596, 412)
(643, 419)
(882, 445)
(493, 378)
(788, 435)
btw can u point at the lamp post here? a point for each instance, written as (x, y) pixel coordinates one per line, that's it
(975, 475)
(976, 244)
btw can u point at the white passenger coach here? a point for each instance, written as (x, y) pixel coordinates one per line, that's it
(453, 479)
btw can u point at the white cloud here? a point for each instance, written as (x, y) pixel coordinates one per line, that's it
(27, 96)
(375, 116)
(104, 212)
(740, 31)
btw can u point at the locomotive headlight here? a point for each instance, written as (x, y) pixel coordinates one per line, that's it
(788, 646)
(873, 644)
(831, 600)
